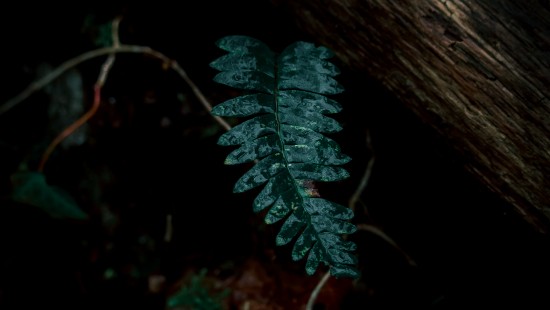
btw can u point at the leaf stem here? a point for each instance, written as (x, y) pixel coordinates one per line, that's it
(104, 72)
(69, 130)
(366, 176)
(317, 290)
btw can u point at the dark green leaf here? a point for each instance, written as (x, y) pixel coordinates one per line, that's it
(302, 135)
(317, 83)
(308, 64)
(249, 130)
(286, 203)
(327, 224)
(336, 242)
(315, 172)
(314, 258)
(312, 120)
(309, 101)
(304, 243)
(244, 45)
(288, 106)
(260, 173)
(327, 208)
(338, 249)
(302, 49)
(255, 149)
(289, 230)
(316, 154)
(31, 188)
(277, 186)
(246, 62)
(198, 294)
(341, 271)
(249, 80)
(245, 106)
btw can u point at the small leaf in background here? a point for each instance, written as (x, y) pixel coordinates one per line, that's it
(98, 31)
(66, 104)
(31, 188)
(197, 295)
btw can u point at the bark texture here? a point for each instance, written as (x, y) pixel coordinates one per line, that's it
(477, 71)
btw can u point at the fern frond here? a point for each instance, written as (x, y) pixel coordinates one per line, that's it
(287, 108)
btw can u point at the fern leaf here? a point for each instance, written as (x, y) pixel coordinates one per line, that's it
(287, 108)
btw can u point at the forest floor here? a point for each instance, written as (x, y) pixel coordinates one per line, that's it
(162, 220)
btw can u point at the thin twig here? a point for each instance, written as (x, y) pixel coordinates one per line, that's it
(114, 31)
(122, 48)
(378, 232)
(355, 197)
(69, 130)
(39, 84)
(104, 72)
(365, 179)
(351, 204)
(169, 231)
(316, 291)
(199, 94)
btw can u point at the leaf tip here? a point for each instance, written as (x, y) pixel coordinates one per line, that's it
(344, 272)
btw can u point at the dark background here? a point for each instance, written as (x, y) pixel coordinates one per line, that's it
(134, 168)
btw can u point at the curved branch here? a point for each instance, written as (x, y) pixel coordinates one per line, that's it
(316, 290)
(136, 49)
(104, 72)
(356, 196)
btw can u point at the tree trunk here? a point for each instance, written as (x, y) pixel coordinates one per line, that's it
(476, 71)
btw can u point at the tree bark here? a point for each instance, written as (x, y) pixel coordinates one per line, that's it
(476, 71)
